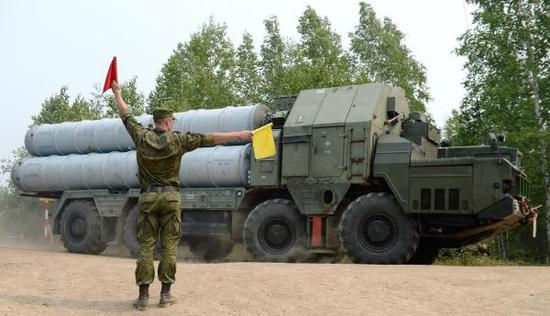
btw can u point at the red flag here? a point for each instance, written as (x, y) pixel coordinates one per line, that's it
(111, 75)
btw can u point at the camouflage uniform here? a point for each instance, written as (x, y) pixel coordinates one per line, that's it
(159, 157)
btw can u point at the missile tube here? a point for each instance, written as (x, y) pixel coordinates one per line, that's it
(220, 166)
(106, 135)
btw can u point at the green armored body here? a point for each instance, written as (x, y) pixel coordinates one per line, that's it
(355, 173)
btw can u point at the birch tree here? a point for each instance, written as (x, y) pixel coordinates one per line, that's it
(379, 54)
(508, 86)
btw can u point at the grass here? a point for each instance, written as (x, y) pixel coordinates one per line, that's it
(480, 255)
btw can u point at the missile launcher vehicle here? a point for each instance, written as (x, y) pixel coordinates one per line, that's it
(355, 173)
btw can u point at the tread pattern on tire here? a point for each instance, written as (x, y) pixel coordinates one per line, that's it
(297, 253)
(350, 242)
(92, 243)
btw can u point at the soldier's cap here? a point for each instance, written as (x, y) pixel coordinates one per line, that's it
(161, 113)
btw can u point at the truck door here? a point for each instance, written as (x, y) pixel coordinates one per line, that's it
(327, 151)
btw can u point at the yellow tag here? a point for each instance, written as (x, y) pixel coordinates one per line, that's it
(262, 142)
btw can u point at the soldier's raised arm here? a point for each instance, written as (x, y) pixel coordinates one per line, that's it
(222, 138)
(191, 141)
(131, 124)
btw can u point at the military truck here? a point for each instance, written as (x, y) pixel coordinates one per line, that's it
(355, 173)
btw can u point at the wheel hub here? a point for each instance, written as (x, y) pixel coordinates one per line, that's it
(78, 227)
(378, 232)
(277, 236)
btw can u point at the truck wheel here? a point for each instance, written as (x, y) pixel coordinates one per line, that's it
(276, 231)
(424, 254)
(211, 249)
(81, 228)
(130, 234)
(375, 230)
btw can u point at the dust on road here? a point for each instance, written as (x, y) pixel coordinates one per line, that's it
(58, 283)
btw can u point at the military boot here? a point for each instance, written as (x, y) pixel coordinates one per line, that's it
(166, 299)
(143, 299)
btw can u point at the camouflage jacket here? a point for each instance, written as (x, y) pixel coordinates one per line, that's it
(159, 152)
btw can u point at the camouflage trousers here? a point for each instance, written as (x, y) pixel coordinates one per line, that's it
(159, 217)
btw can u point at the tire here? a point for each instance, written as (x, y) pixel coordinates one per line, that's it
(374, 230)
(81, 228)
(275, 231)
(424, 254)
(130, 234)
(211, 249)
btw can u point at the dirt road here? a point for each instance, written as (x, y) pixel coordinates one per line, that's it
(35, 282)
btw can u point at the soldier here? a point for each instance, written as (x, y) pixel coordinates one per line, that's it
(159, 152)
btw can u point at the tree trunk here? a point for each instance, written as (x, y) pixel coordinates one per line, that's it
(533, 72)
(543, 155)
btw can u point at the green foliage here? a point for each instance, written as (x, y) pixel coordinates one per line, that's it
(379, 55)
(316, 61)
(476, 255)
(319, 55)
(500, 250)
(57, 109)
(169, 88)
(210, 57)
(247, 73)
(208, 72)
(508, 90)
(199, 73)
(274, 57)
(104, 105)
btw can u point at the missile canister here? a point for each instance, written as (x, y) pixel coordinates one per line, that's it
(220, 166)
(228, 119)
(108, 135)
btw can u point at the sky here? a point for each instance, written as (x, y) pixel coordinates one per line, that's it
(48, 44)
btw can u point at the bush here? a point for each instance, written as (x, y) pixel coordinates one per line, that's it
(480, 254)
(20, 216)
